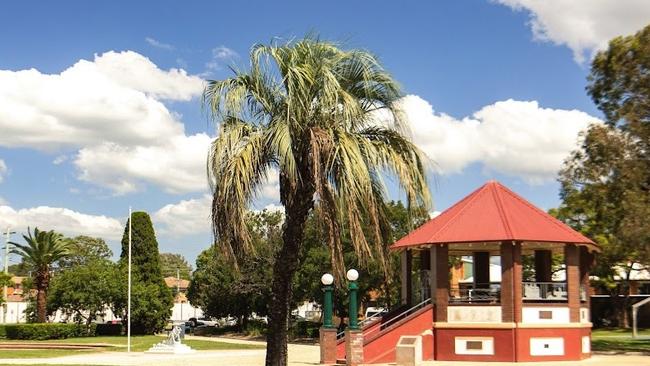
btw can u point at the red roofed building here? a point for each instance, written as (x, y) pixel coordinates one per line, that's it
(535, 309)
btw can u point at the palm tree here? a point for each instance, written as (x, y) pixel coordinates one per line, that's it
(40, 251)
(328, 122)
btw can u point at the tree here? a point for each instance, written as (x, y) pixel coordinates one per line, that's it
(222, 290)
(40, 251)
(328, 120)
(85, 291)
(152, 300)
(85, 249)
(373, 280)
(19, 269)
(605, 184)
(171, 262)
(5, 280)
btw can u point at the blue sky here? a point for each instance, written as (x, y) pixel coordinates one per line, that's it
(495, 91)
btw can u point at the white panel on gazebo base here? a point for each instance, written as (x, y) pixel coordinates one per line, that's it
(584, 315)
(547, 346)
(586, 344)
(545, 315)
(471, 314)
(474, 345)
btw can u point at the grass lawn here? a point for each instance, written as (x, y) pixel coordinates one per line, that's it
(138, 344)
(620, 341)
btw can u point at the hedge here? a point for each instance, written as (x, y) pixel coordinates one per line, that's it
(42, 331)
(3, 333)
(109, 329)
(304, 329)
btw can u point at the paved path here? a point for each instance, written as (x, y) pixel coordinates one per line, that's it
(299, 355)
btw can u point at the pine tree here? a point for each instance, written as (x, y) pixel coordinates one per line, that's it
(152, 301)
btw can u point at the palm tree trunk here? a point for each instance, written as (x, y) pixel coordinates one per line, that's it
(41, 303)
(42, 283)
(286, 263)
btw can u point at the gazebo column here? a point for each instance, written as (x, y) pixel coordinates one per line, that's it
(543, 259)
(406, 258)
(481, 269)
(586, 262)
(572, 261)
(440, 280)
(425, 273)
(511, 291)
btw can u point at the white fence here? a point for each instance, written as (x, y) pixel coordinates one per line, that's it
(16, 313)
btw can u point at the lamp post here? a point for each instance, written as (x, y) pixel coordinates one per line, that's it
(327, 280)
(352, 276)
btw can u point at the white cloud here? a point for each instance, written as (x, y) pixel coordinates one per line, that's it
(512, 137)
(156, 43)
(63, 220)
(113, 98)
(272, 207)
(111, 110)
(178, 166)
(220, 55)
(584, 26)
(192, 216)
(3, 170)
(186, 217)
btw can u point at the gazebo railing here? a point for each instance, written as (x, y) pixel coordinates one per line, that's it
(490, 294)
(552, 291)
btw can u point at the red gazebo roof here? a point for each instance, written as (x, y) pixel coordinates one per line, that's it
(489, 214)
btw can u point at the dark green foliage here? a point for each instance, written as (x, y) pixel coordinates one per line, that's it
(5, 280)
(151, 307)
(19, 269)
(3, 331)
(304, 329)
(85, 249)
(605, 184)
(316, 260)
(43, 331)
(109, 329)
(170, 262)
(85, 291)
(40, 252)
(151, 300)
(221, 290)
(145, 258)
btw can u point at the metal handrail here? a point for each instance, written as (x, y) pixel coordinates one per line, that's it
(545, 290)
(401, 316)
(392, 320)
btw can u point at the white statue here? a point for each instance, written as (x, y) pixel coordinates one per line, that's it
(172, 344)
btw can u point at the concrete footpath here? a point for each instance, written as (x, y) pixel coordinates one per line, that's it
(299, 355)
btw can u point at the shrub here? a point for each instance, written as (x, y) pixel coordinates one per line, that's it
(42, 331)
(109, 329)
(3, 332)
(304, 329)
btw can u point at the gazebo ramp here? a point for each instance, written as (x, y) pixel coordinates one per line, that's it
(380, 335)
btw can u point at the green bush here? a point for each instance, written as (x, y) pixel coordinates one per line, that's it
(304, 329)
(109, 329)
(42, 331)
(3, 332)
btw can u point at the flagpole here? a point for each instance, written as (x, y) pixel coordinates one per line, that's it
(128, 314)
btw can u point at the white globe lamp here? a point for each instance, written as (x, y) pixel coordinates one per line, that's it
(352, 275)
(327, 279)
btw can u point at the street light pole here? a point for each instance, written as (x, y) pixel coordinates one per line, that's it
(327, 281)
(4, 289)
(352, 276)
(178, 290)
(128, 314)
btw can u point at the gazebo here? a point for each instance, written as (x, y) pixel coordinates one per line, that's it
(534, 306)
